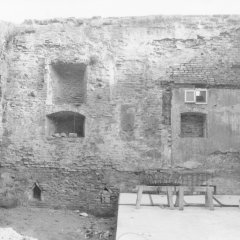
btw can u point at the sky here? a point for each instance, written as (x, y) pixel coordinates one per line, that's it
(18, 10)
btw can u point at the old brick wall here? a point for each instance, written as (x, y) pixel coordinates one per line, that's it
(6, 35)
(83, 189)
(131, 64)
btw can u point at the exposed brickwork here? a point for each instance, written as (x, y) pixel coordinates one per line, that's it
(131, 101)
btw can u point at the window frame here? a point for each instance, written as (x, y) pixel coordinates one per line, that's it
(195, 99)
(185, 98)
(202, 90)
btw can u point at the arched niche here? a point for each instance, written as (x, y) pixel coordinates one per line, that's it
(66, 122)
(36, 192)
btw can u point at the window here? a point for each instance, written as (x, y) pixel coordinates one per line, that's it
(201, 96)
(197, 96)
(190, 96)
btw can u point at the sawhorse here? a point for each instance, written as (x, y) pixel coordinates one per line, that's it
(180, 190)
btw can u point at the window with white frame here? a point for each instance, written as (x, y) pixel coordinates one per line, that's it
(190, 96)
(197, 96)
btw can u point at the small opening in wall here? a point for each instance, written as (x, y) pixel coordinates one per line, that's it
(37, 192)
(193, 124)
(66, 124)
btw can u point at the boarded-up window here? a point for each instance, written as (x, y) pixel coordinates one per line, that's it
(193, 124)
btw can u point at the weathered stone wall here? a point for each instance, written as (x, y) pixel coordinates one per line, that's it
(7, 33)
(131, 66)
(90, 190)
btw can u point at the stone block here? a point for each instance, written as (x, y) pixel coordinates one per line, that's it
(63, 135)
(72, 135)
(57, 135)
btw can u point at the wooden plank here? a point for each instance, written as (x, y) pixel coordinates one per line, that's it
(174, 188)
(177, 199)
(206, 200)
(156, 188)
(181, 196)
(221, 204)
(195, 172)
(197, 188)
(151, 200)
(210, 198)
(170, 198)
(139, 196)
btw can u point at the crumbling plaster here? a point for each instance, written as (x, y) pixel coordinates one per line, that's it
(132, 66)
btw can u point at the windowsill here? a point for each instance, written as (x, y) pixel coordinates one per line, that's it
(64, 138)
(193, 137)
(197, 103)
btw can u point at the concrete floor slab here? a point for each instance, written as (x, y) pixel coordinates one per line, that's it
(194, 223)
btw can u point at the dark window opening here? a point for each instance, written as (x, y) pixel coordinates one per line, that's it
(66, 124)
(37, 192)
(193, 125)
(201, 96)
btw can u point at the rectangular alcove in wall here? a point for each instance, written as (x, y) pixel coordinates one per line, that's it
(69, 84)
(193, 124)
(67, 123)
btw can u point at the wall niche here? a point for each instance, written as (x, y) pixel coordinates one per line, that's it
(36, 192)
(66, 124)
(68, 83)
(193, 124)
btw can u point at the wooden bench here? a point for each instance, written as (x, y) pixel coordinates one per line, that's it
(179, 190)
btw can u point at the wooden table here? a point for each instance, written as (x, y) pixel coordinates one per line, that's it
(179, 190)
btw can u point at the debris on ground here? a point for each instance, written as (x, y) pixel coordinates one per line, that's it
(55, 224)
(83, 214)
(104, 235)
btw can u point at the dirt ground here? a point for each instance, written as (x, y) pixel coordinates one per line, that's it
(49, 224)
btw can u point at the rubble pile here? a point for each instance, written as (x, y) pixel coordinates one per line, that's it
(10, 234)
